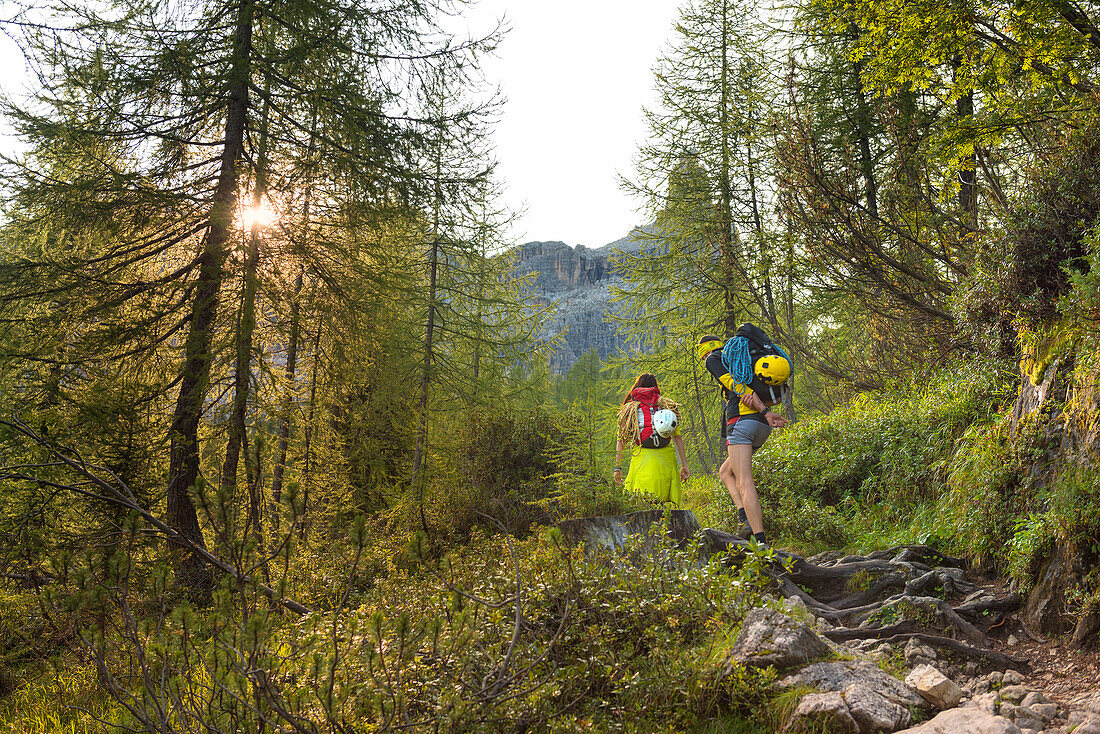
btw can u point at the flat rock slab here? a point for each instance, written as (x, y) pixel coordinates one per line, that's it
(839, 675)
(610, 532)
(769, 637)
(862, 692)
(967, 720)
(856, 709)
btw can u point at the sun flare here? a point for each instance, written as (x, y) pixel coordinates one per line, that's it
(261, 215)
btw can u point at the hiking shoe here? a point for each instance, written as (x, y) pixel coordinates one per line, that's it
(744, 532)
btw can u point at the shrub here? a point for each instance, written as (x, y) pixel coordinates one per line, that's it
(884, 446)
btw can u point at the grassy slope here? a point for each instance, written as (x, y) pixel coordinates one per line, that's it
(641, 647)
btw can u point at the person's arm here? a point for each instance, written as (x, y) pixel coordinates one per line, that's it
(682, 456)
(617, 474)
(753, 401)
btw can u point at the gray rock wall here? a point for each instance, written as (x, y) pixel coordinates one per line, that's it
(577, 281)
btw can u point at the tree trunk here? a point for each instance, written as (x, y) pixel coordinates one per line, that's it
(726, 249)
(283, 430)
(183, 472)
(242, 371)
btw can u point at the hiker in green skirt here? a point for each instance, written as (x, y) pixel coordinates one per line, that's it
(649, 425)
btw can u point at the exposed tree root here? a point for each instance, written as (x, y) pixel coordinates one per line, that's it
(907, 586)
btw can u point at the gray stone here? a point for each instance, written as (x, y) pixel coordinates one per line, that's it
(839, 675)
(986, 702)
(1034, 697)
(1088, 726)
(917, 653)
(823, 709)
(1015, 694)
(1089, 701)
(771, 638)
(1027, 719)
(610, 532)
(1012, 678)
(1045, 711)
(874, 712)
(969, 720)
(1083, 722)
(1007, 710)
(934, 687)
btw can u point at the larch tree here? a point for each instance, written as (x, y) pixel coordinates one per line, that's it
(134, 254)
(712, 258)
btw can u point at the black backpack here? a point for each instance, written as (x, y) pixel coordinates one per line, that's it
(741, 352)
(760, 344)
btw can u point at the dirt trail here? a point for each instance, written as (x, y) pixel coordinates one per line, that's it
(1057, 669)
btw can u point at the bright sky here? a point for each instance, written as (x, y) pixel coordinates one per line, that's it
(576, 74)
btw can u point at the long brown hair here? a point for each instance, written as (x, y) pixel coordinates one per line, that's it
(644, 380)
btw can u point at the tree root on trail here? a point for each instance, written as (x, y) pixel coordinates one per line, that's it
(908, 586)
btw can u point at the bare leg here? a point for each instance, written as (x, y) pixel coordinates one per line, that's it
(725, 475)
(740, 466)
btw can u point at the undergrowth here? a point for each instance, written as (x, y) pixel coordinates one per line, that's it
(496, 632)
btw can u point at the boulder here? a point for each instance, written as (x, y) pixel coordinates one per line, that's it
(917, 653)
(873, 699)
(610, 532)
(1089, 702)
(874, 712)
(1013, 693)
(1045, 711)
(856, 709)
(967, 720)
(934, 687)
(769, 637)
(828, 710)
(1086, 725)
(1027, 719)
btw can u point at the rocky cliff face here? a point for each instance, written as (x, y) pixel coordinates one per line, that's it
(578, 281)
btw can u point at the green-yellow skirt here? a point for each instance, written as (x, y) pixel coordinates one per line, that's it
(655, 472)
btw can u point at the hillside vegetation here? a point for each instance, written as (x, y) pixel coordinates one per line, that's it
(282, 446)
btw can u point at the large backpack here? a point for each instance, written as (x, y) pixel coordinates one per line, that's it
(740, 353)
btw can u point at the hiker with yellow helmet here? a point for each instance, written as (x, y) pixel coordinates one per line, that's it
(753, 373)
(649, 423)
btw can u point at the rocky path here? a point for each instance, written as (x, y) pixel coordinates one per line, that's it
(974, 665)
(961, 660)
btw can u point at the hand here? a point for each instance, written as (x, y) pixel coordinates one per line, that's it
(775, 420)
(618, 476)
(684, 473)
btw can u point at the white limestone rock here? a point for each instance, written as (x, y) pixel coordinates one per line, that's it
(769, 637)
(969, 720)
(934, 687)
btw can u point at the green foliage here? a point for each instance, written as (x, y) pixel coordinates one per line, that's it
(597, 644)
(892, 448)
(993, 488)
(1047, 253)
(509, 459)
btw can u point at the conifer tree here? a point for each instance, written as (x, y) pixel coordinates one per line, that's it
(175, 94)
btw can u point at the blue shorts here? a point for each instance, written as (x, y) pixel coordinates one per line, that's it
(742, 430)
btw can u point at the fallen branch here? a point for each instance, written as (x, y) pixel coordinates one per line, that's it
(122, 496)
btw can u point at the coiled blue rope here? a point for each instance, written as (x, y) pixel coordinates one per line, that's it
(736, 359)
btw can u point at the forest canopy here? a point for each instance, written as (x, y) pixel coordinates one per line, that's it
(277, 405)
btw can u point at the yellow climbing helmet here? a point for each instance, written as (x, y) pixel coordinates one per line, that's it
(772, 369)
